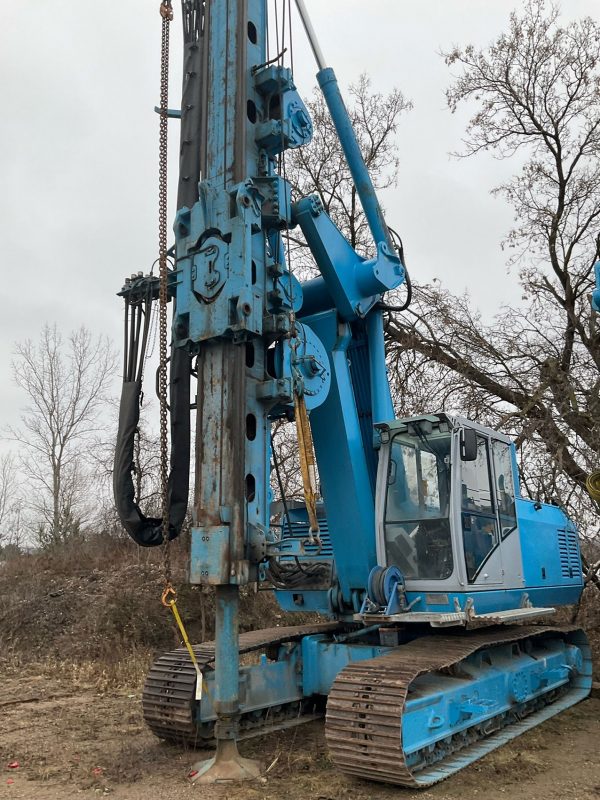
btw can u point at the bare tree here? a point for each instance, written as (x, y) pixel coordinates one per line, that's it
(146, 458)
(7, 486)
(535, 370)
(10, 501)
(286, 479)
(66, 385)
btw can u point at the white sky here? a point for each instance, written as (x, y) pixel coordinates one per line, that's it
(78, 150)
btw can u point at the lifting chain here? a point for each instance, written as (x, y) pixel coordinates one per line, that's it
(166, 13)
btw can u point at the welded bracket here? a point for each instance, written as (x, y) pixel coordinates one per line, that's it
(209, 558)
(351, 283)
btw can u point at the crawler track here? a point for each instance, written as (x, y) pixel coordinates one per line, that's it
(366, 702)
(168, 696)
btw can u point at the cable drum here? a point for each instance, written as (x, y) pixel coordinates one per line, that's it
(382, 584)
(592, 484)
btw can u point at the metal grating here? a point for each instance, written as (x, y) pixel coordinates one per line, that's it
(299, 530)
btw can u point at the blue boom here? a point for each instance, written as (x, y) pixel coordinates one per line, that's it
(421, 527)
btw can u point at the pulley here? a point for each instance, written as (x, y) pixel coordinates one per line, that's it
(303, 358)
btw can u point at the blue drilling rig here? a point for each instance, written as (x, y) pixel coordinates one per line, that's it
(434, 577)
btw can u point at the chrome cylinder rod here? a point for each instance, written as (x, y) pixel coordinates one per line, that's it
(312, 36)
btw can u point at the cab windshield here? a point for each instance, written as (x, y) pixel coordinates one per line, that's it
(417, 526)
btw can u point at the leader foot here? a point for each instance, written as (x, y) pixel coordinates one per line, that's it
(227, 766)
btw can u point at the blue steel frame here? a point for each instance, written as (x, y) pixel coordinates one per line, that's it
(545, 544)
(235, 298)
(234, 285)
(496, 685)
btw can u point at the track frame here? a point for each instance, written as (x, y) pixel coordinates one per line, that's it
(409, 715)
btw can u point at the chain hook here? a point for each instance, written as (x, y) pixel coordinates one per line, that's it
(169, 596)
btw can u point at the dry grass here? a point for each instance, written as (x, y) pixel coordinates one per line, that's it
(92, 611)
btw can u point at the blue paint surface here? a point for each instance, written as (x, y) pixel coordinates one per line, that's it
(550, 547)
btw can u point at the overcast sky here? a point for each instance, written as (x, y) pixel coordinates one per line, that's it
(78, 150)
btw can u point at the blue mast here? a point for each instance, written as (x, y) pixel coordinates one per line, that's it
(234, 300)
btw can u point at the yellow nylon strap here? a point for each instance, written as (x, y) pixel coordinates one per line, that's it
(307, 461)
(169, 600)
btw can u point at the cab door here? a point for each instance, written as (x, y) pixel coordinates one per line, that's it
(504, 471)
(479, 520)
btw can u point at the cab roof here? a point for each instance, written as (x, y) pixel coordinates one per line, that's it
(438, 422)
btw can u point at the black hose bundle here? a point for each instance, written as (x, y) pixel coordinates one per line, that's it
(293, 575)
(147, 531)
(400, 250)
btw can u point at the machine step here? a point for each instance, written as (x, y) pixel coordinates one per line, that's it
(447, 619)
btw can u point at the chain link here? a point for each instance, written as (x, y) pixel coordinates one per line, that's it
(166, 13)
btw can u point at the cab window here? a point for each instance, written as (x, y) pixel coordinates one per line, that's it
(417, 527)
(505, 487)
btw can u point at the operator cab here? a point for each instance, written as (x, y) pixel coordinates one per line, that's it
(446, 505)
(450, 521)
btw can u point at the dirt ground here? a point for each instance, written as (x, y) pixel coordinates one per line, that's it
(72, 739)
(78, 631)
